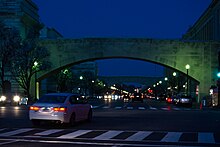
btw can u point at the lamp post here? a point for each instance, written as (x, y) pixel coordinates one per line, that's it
(35, 79)
(81, 88)
(187, 73)
(174, 83)
(166, 79)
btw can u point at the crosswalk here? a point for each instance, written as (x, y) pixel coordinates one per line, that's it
(116, 135)
(145, 108)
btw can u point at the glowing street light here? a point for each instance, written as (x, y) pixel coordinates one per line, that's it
(187, 66)
(35, 63)
(35, 79)
(187, 73)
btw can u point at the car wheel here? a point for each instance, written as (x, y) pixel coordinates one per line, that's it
(35, 122)
(72, 120)
(89, 119)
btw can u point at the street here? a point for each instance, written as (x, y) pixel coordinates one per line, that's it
(117, 122)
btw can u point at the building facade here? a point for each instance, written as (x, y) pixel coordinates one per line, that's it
(21, 14)
(50, 33)
(207, 27)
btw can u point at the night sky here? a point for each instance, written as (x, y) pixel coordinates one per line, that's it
(158, 19)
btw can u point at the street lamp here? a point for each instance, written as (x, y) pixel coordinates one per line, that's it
(166, 79)
(35, 78)
(81, 84)
(174, 81)
(187, 73)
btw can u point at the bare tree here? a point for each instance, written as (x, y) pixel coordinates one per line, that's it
(9, 43)
(30, 59)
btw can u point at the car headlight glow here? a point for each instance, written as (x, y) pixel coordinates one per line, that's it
(16, 98)
(2, 98)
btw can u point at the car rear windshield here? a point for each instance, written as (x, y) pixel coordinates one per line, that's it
(52, 99)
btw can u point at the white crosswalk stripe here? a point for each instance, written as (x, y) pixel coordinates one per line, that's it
(152, 108)
(141, 108)
(106, 107)
(206, 138)
(176, 108)
(139, 136)
(74, 134)
(107, 135)
(19, 131)
(48, 132)
(144, 108)
(94, 107)
(165, 108)
(2, 129)
(172, 137)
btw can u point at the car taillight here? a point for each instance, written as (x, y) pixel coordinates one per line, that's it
(60, 109)
(34, 108)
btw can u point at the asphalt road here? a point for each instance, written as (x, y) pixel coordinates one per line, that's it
(153, 118)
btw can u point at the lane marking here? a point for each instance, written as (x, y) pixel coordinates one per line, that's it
(2, 129)
(15, 132)
(141, 108)
(176, 109)
(107, 135)
(48, 132)
(9, 142)
(165, 108)
(153, 108)
(172, 137)
(94, 107)
(118, 107)
(75, 134)
(206, 138)
(140, 135)
(130, 108)
(106, 107)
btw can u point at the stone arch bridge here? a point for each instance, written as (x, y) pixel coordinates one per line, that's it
(201, 56)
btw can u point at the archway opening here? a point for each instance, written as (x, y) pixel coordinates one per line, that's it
(96, 78)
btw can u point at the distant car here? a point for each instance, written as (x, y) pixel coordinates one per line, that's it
(126, 97)
(23, 101)
(66, 108)
(3, 100)
(137, 97)
(169, 100)
(184, 100)
(9, 99)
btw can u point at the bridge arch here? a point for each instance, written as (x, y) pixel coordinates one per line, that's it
(170, 53)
